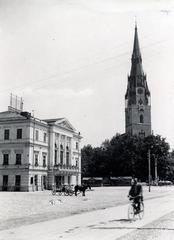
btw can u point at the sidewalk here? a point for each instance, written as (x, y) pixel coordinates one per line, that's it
(106, 224)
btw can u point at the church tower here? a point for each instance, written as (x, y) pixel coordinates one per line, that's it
(137, 97)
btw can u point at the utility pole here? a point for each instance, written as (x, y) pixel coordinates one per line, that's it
(149, 169)
(156, 171)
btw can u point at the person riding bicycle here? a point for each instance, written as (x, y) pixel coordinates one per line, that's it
(136, 193)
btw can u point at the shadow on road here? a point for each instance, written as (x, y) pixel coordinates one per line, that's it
(121, 220)
(135, 228)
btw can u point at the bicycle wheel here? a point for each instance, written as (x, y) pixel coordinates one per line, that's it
(141, 212)
(131, 212)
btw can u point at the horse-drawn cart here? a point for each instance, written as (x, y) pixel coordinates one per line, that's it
(63, 190)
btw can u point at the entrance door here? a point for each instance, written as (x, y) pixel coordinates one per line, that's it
(18, 183)
(44, 182)
(58, 181)
(5, 183)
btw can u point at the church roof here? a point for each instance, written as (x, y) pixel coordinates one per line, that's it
(136, 68)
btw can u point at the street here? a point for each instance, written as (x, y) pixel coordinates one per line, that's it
(107, 223)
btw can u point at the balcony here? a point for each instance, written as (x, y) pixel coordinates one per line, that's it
(65, 167)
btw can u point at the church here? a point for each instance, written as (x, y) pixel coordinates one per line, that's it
(137, 97)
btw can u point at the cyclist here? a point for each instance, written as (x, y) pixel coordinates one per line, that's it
(136, 193)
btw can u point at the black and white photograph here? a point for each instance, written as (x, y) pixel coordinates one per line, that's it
(86, 120)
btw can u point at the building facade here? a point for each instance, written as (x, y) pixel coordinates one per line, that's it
(37, 154)
(137, 97)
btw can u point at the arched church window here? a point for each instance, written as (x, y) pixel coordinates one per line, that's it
(141, 118)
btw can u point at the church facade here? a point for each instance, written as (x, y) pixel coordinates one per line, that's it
(137, 97)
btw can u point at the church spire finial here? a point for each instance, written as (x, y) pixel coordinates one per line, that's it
(135, 21)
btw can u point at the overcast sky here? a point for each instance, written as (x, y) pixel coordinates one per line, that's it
(71, 58)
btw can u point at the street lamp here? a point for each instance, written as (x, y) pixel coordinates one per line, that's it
(149, 169)
(149, 166)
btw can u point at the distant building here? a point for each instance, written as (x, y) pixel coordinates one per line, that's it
(137, 98)
(37, 154)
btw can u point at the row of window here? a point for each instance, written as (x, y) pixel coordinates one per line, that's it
(33, 180)
(18, 159)
(37, 136)
(5, 181)
(36, 160)
(61, 157)
(7, 134)
(19, 134)
(67, 147)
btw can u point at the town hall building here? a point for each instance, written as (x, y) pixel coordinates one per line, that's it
(37, 154)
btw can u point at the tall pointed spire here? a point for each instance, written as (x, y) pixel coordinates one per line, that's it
(137, 97)
(136, 68)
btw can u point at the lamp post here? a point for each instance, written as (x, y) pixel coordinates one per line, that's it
(156, 171)
(149, 169)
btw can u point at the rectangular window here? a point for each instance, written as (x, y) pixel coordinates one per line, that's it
(5, 159)
(44, 160)
(61, 156)
(67, 158)
(5, 183)
(35, 180)
(44, 182)
(17, 182)
(69, 180)
(55, 157)
(18, 159)
(36, 160)
(77, 145)
(45, 137)
(31, 180)
(76, 162)
(37, 135)
(6, 134)
(19, 133)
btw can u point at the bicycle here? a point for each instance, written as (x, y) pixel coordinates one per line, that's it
(133, 211)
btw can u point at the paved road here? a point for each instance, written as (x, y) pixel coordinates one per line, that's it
(106, 224)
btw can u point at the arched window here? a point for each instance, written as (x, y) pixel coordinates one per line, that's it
(61, 154)
(67, 155)
(141, 118)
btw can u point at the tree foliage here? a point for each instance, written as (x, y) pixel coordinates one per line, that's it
(125, 155)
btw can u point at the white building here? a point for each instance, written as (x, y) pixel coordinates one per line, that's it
(37, 154)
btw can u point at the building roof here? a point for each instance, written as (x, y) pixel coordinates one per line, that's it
(61, 122)
(9, 115)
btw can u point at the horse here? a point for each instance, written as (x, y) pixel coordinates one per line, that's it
(80, 188)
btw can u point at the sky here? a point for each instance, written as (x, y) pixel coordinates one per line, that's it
(71, 58)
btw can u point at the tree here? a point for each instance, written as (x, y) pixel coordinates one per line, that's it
(86, 155)
(126, 155)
